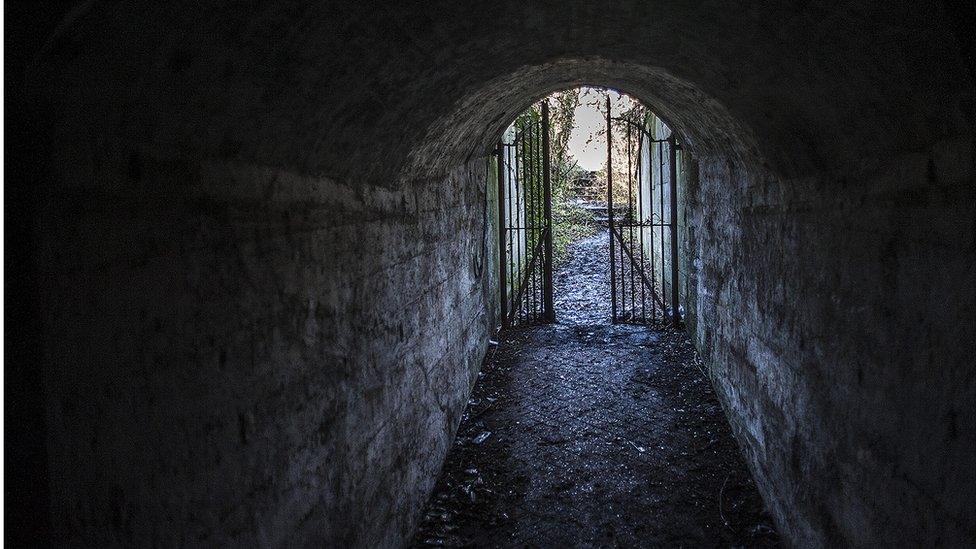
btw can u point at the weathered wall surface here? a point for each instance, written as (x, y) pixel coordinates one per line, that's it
(239, 350)
(836, 314)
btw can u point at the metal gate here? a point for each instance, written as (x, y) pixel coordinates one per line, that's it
(643, 230)
(525, 220)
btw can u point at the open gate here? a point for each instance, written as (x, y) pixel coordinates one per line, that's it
(643, 230)
(642, 218)
(525, 220)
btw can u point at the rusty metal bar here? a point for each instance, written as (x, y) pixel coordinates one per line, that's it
(550, 313)
(539, 208)
(664, 303)
(526, 224)
(536, 252)
(511, 200)
(537, 213)
(633, 262)
(640, 217)
(630, 218)
(518, 232)
(502, 229)
(613, 284)
(530, 222)
(526, 243)
(675, 314)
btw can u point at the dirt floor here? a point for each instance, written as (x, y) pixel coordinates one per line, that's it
(586, 434)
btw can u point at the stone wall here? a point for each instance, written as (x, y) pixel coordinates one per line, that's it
(261, 358)
(853, 407)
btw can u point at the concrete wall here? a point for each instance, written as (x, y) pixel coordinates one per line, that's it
(257, 252)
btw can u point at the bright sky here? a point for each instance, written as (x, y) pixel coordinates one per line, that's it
(590, 118)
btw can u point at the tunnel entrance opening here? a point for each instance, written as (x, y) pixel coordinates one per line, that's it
(525, 218)
(634, 198)
(576, 432)
(635, 259)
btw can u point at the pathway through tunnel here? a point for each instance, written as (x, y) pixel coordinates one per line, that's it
(587, 433)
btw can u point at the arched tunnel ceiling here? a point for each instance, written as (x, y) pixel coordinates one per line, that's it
(360, 91)
(704, 124)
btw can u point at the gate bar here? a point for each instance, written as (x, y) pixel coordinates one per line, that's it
(633, 262)
(613, 281)
(517, 303)
(660, 171)
(630, 222)
(640, 216)
(530, 247)
(550, 313)
(502, 229)
(675, 315)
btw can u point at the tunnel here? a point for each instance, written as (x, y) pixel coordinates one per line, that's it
(248, 272)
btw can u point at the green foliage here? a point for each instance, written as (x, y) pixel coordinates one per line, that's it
(624, 122)
(570, 221)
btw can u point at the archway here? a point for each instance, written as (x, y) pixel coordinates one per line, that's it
(635, 189)
(591, 411)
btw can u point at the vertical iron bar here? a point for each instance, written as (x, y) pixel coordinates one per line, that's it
(530, 216)
(513, 244)
(650, 200)
(526, 234)
(526, 237)
(529, 222)
(509, 195)
(623, 274)
(640, 216)
(630, 220)
(516, 282)
(613, 268)
(512, 184)
(537, 176)
(541, 221)
(675, 315)
(550, 312)
(536, 211)
(501, 232)
(508, 228)
(512, 227)
(664, 302)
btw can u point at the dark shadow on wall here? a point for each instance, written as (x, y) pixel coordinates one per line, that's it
(28, 25)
